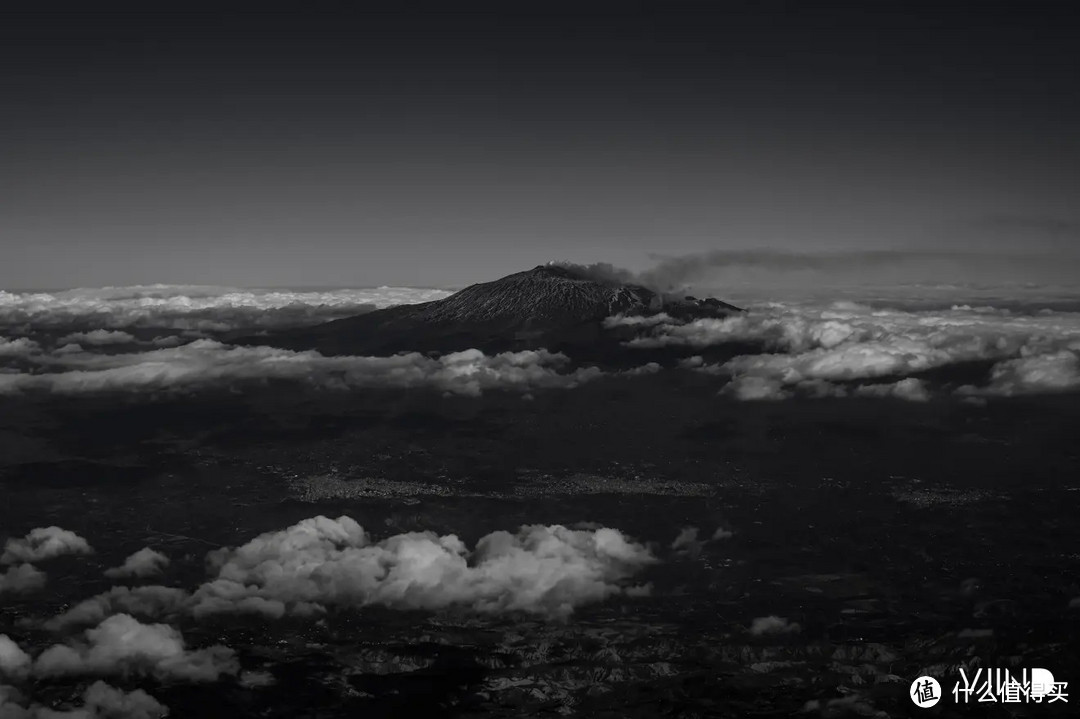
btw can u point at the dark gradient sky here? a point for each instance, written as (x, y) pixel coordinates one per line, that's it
(439, 148)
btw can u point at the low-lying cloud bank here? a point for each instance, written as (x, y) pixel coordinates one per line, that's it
(848, 349)
(97, 337)
(303, 571)
(19, 347)
(320, 561)
(183, 307)
(210, 364)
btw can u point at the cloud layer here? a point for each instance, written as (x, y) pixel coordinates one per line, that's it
(885, 349)
(849, 349)
(210, 364)
(181, 307)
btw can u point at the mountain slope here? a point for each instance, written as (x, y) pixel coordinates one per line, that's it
(550, 306)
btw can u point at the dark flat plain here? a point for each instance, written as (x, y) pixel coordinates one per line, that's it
(903, 538)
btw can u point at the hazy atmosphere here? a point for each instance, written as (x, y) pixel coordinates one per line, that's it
(442, 148)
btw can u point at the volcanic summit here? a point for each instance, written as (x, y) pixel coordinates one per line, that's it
(552, 306)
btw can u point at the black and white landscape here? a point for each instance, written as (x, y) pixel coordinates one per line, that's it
(317, 426)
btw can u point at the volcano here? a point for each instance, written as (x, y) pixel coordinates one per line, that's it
(552, 306)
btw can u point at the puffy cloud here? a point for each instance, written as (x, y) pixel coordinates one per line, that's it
(1055, 372)
(687, 542)
(751, 387)
(14, 662)
(149, 602)
(105, 701)
(542, 570)
(207, 363)
(22, 578)
(144, 563)
(97, 337)
(44, 543)
(19, 347)
(121, 645)
(11, 704)
(320, 562)
(701, 333)
(808, 348)
(100, 701)
(214, 309)
(650, 368)
(773, 624)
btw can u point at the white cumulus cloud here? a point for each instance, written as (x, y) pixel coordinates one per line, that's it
(121, 645)
(107, 701)
(320, 561)
(144, 563)
(1054, 372)
(773, 624)
(22, 578)
(150, 602)
(14, 662)
(44, 543)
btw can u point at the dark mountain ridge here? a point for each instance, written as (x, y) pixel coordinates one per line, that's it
(550, 306)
